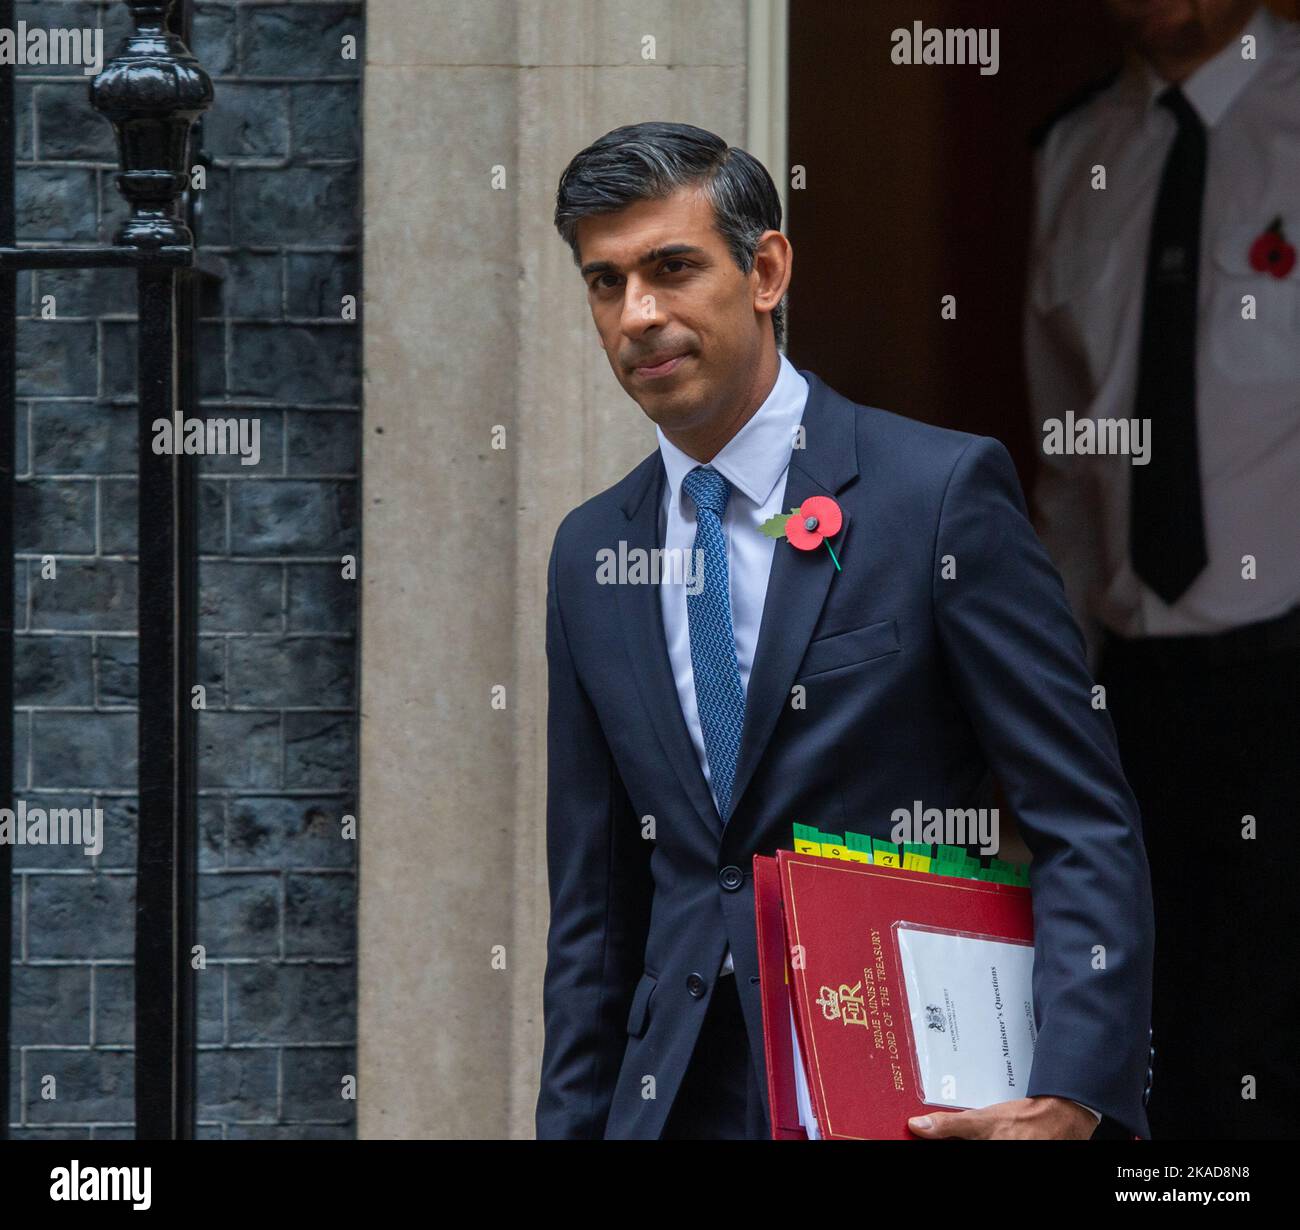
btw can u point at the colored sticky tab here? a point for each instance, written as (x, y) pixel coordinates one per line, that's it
(951, 854)
(831, 849)
(807, 840)
(859, 847)
(885, 853)
(916, 856)
(1005, 871)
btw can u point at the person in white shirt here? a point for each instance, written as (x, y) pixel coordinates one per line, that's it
(1162, 343)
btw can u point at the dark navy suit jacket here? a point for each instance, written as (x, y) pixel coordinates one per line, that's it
(916, 687)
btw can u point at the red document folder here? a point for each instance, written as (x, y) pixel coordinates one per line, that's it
(774, 993)
(840, 921)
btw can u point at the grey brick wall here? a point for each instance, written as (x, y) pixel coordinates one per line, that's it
(278, 656)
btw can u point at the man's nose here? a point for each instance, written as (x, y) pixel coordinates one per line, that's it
(640, 308)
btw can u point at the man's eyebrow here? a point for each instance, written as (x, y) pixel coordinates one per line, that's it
(655, 254)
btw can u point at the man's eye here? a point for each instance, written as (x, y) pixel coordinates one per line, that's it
(599, 283)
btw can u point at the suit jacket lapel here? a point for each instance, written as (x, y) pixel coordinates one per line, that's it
(796, 591)
(799, 580)
(642, 619)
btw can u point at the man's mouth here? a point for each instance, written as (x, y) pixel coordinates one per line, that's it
(662, 368)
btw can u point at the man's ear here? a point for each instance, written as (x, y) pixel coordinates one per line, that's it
(774, 265)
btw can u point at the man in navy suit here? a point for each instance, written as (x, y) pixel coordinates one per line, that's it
(710, 685)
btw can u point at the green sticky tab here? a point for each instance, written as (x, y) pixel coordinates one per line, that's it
(885, 853)
(830, 839)
(807, 832)
(916, 856)
(857, 841)
(951, 854)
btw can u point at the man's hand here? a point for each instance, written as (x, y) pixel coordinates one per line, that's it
(1040, 1118)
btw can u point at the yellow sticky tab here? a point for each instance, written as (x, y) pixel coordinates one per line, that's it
(828, 850)
(806, 847)
(916, 862)
(886, 858)
(856, 856)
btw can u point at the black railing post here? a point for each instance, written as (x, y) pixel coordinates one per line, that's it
(152, 91)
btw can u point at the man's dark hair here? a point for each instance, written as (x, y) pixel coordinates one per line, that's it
(645, 162)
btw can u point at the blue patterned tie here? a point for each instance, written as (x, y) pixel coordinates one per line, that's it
(718, 691)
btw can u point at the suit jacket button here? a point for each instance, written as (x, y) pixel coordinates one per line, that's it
(731, 878)
(695, 985)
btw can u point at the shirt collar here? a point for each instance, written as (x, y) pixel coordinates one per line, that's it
(754, 459)
(1214, 86)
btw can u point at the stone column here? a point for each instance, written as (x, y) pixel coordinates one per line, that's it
(474, 321)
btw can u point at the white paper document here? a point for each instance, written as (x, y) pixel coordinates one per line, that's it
(807, 1120)
(970, 1001)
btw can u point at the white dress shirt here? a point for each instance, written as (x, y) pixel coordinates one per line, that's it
(754, 461)
(1083, 332)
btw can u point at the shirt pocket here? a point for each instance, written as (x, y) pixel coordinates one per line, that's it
(1266, 349)
(1073, 290)
(852, 648)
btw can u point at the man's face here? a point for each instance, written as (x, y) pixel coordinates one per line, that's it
(674, 313)
(1177, 28)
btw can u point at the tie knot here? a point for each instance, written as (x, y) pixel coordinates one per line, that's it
(1184, 112)
(708, 489)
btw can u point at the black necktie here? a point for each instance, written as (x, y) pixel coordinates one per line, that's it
(1166, 526)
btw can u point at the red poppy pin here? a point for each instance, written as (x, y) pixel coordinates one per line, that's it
(808, 526)
(1271, 253)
